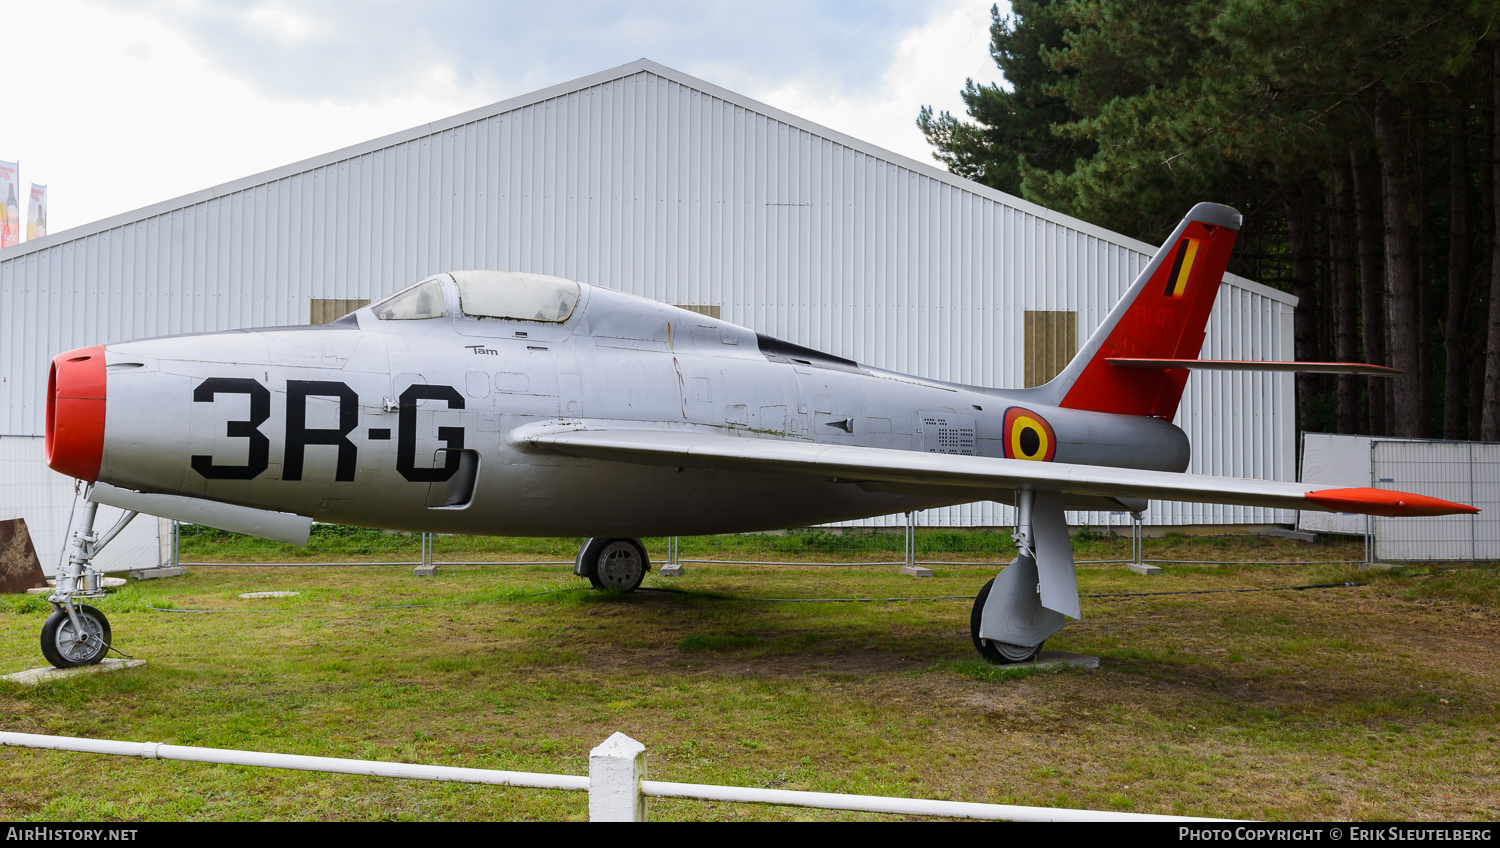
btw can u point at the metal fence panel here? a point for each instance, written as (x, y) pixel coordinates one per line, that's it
(1465, 472)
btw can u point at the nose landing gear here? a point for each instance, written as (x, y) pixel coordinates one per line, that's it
(76, 633)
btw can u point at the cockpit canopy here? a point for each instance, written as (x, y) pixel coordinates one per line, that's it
(512, 295)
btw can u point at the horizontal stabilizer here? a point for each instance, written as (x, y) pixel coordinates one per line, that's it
(265, 524)
(967, 477)
(1359, 368)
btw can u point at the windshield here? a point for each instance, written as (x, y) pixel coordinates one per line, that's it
(424, 300)
(515, 295)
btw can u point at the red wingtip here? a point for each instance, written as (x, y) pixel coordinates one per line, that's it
(75, 413)
(1385, 502)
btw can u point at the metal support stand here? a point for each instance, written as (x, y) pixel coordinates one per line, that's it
(911, 569)
(673, 566)
(427, 568)
(1138, 548)
(911, 540)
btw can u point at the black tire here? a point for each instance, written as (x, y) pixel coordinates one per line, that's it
(62, 647)
(619, 564)
(999, 653)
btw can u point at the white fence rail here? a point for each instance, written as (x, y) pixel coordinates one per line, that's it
(616, 782)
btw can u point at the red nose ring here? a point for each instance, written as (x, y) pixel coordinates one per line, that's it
(75, 413)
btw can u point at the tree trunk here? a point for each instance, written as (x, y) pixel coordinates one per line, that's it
(1304, 319)
(1422, 294)
(1455, 425)
(1341, 279)
(1400, 282)
(1477, 313)
(1371, 287)
(1489, 423)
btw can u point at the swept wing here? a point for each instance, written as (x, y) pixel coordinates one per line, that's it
(962, 476)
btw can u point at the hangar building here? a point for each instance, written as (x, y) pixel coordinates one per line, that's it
(650, 181)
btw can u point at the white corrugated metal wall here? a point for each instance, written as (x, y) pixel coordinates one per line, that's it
(649, 181)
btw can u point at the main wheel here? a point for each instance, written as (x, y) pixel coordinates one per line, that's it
(65, 647)
(1000, 653)
(618, 564)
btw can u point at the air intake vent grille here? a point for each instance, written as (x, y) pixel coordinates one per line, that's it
(947, 433)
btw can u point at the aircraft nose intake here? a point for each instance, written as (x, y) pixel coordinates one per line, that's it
(75, 413)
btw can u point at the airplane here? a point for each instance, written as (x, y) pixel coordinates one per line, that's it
(510, 403)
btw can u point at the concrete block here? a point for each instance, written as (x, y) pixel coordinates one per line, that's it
(669, 571)
(1058, 659)
(1299, 535)
(1381, 566)
(916, 571)
(424, 571)
(34, 676)
(153, 573)
(1144, 569)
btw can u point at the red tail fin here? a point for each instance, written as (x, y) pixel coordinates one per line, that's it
(1162, 316)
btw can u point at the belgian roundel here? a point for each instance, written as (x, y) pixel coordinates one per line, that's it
(1028, 436)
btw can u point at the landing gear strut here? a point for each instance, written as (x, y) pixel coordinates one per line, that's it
(1036, 593)
(76, 633)
(619, 564)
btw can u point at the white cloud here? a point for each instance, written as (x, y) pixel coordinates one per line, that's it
(930, 67)
(281, 23)
(117, 111)
(119, 108)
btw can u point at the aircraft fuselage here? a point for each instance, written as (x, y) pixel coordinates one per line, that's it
(404, 424)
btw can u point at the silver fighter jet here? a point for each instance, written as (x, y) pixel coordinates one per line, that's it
(515, 404)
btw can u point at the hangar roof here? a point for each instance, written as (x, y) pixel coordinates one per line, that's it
(638, 66)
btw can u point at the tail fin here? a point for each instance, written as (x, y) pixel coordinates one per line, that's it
(1162, 316)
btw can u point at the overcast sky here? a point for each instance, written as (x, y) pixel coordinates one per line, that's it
(117, 105)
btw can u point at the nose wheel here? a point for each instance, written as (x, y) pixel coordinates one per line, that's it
(67, 645)
(619, 564)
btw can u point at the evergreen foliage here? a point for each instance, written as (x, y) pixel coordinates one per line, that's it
(1341, 129)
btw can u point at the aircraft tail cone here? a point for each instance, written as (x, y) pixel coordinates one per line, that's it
(75, 413)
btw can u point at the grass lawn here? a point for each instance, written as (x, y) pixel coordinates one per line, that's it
(1368, 702)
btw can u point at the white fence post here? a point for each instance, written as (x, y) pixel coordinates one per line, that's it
(616, 769)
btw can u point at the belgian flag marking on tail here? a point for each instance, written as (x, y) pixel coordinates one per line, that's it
(1028, 436)
(1182, 268)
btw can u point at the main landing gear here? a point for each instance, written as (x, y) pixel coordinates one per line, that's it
(997, 652)
(619, 564)
(1036, 593)
(76, 633)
